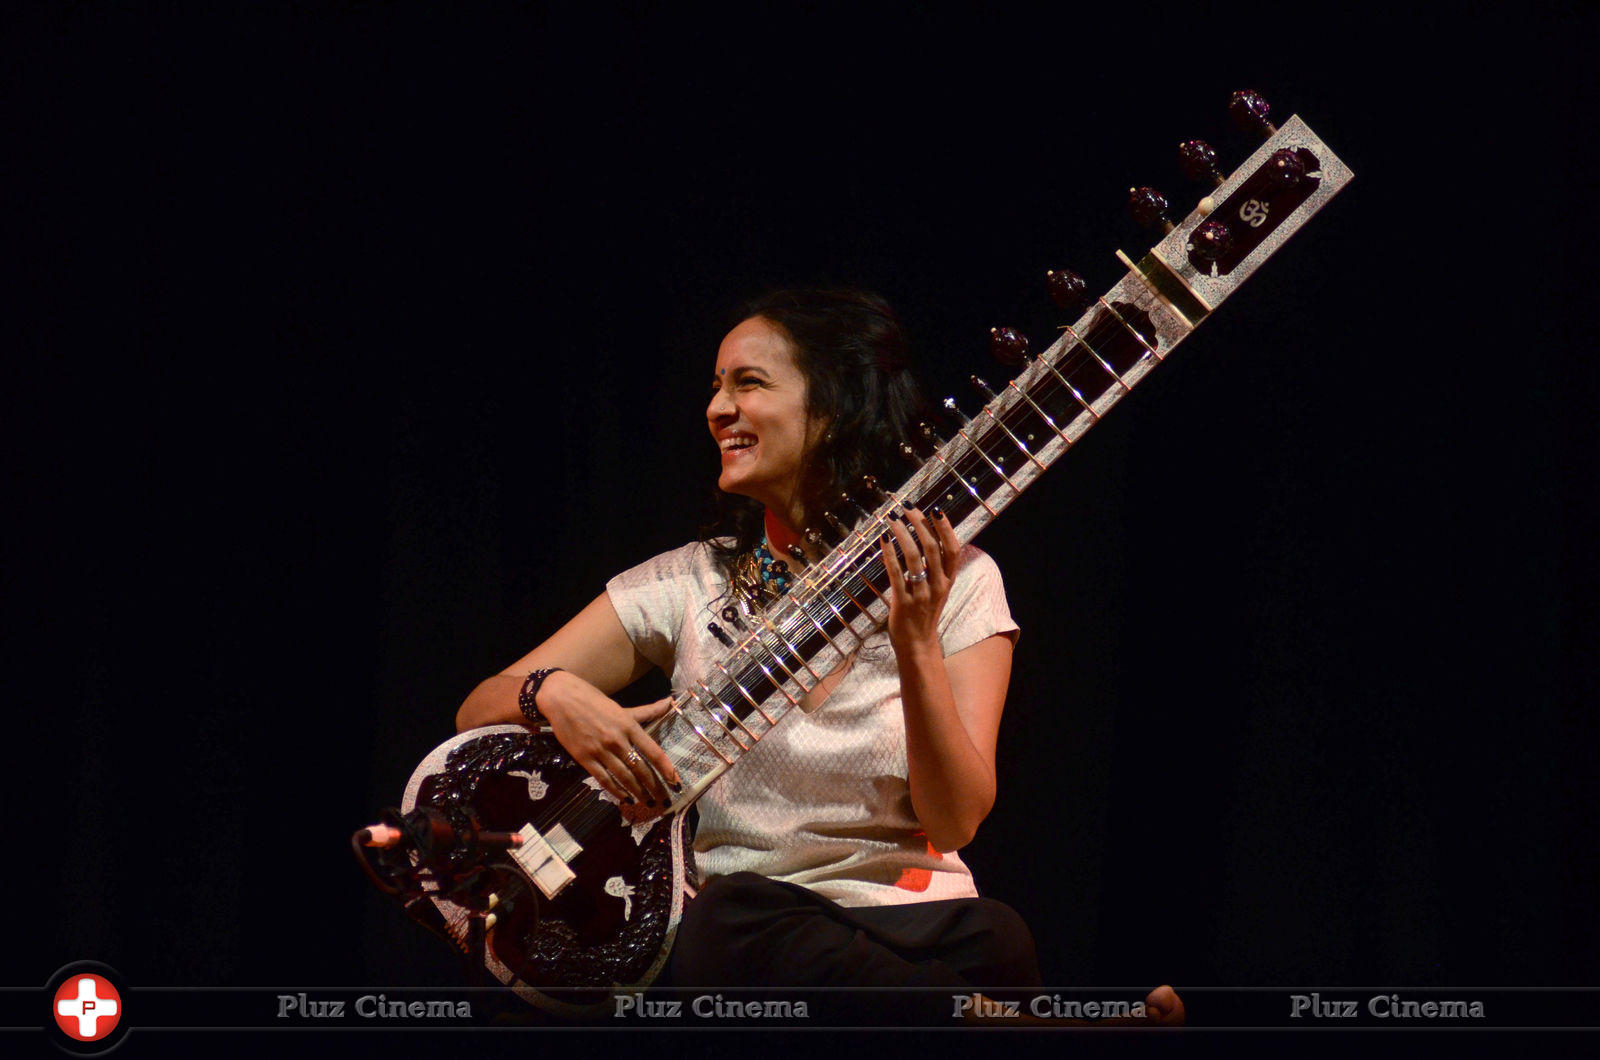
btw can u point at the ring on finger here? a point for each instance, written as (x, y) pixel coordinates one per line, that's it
(920, 576)
(632, 757)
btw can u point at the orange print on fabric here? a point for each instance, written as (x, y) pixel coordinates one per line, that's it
(918, 879)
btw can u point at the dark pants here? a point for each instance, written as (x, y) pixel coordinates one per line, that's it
(747, 930)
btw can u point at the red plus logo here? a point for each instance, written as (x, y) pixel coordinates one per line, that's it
(87, 1007)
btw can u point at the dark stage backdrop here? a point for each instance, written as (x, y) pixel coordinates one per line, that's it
(354, 352)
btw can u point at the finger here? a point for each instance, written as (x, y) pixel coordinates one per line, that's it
(640, 763)
(891, 563)
(907, 541)
(949, 550)
(949, 543)
(653, 754)
(918, 523)
(647, 745)
(626, 775)
(607, 782)
(650, 711)
(655, 794)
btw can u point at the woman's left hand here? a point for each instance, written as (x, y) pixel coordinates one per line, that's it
(921, 586)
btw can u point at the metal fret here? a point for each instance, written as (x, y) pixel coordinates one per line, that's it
(700, 733)
(835, 610)
(776, 683)
(755, 737)
(937, 456)
(813, 619)
(736, 741)
(767, 622)
(1043, 415)
(998, 470)
(1070, 389)
(1132, 330)
(1017, 441)
(734, 681)
(844, 584)
(1126, 389)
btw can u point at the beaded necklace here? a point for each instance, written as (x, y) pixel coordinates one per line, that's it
(760, 577)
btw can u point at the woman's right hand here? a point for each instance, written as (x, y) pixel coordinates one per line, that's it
(603, 738)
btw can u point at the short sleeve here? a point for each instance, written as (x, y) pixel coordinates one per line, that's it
(651, 600)
(976, 608)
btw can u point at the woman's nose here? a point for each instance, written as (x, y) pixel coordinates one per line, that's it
(721, 407)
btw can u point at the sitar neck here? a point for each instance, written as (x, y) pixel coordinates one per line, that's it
(774, 657)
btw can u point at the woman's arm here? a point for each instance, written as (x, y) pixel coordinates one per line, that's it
(952, 709)
(952, 706)
(597, 659)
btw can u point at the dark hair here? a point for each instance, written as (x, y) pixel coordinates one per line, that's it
(849, 346)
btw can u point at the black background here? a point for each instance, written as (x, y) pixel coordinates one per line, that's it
(354, 349)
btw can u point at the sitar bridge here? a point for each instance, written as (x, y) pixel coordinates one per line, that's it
(546, 858)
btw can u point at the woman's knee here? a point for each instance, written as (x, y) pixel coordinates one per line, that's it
(1007, 953)
(718, 924)
(730, 900)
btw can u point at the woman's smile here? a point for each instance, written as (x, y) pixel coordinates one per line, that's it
(736, 444)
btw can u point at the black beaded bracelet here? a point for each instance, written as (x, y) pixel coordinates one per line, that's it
(528, 699)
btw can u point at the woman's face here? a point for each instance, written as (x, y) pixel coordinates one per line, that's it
(758, 416)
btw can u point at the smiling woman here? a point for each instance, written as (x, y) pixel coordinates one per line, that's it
(760, 418)
(829, 856)
(843, 356)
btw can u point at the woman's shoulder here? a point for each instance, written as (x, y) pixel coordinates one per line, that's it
(694, 559)
(978, 565)
(977, 606)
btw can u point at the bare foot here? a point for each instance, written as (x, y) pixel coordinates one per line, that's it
(1163, 1007)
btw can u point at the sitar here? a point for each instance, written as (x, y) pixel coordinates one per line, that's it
(507, 847)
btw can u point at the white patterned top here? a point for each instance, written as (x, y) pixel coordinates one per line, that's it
(823, 800)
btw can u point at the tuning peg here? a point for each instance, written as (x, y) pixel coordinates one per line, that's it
(910, 454)
(1198, 160)
(718, 632)
(983, 388)
(870, 484)
(730, 615)
(813, 537)
(1067, 289)
(1249, 113)
(951, 407)
(927, 432)
(851, 502)
(839, 527)
(1286, 167)
(1008, 345)
(1148, 207)
(796, 553)
(1210, 241)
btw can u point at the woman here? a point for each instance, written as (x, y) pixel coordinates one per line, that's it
(828, 856)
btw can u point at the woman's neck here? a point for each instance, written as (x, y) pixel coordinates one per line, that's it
(781, 536)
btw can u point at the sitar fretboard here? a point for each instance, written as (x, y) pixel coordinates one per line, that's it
(975, 474)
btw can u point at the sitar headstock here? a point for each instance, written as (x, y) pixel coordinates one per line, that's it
(1246, 216)
(1117, 338)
